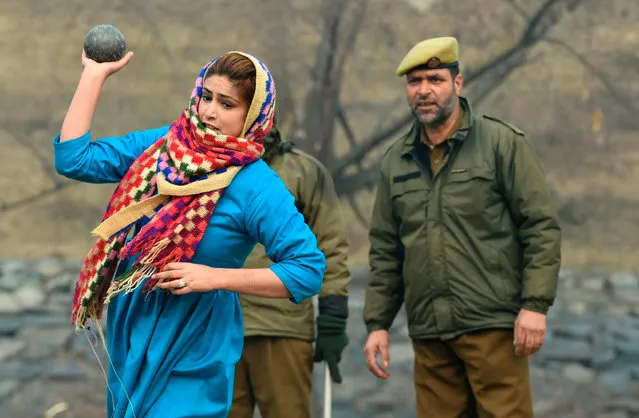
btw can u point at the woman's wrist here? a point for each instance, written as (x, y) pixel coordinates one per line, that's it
(216, 279)
(93, 74)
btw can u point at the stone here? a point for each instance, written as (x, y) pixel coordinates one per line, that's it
(543, 407)
(618, 310)
(578, 373)
(613, 414)
(44, 320)
(567, 277)
(45, 341)
(59, 303)
(388, 396)
(20, 370)
(50, 267)
(14, 274)
(617, 382)
(594, 284)
(401, 353)
(9, 304)
(9, 325)
(564, 349)
(626, 333)
(104, 43)
(7, 387)
(622, 280)
(63, 283)
(577, 307)
(37, 396)
(66, 370)
(351, 387)
(629, 295)
(578, 330)
(30, 296)
(602, 357)
(409, 411)
(9, 348)
(628, 348)
(629, 405)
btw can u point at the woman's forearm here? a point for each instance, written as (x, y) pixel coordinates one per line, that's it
(77, 122)
(258, 282)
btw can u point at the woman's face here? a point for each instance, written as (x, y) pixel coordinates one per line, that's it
(222, 108)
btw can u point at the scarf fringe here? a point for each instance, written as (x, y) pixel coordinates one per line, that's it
(145, 267)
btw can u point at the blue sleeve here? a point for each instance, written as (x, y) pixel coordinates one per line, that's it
(273, 220)
(105, 160)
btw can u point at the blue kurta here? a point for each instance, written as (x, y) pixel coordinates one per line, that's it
(174, 356)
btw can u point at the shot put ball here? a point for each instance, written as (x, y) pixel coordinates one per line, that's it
(104, 43)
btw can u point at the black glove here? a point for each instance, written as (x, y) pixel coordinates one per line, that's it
(330, 343)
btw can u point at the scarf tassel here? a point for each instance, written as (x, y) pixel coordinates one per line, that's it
(155, 260)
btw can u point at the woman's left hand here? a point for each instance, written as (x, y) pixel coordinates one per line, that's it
(183, 278)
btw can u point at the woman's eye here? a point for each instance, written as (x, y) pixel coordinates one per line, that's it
(206, 98)
(226, 105)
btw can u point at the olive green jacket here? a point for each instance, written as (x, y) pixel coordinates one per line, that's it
(315, 197)
(467, 249)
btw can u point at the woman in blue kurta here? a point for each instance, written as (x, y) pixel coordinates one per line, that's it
(174, 326)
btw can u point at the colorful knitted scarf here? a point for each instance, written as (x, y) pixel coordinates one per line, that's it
(174, 186)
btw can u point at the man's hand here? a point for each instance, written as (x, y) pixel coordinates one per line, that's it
(530, 331)
(377, 342)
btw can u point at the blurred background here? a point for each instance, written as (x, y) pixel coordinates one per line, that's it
(564, 71)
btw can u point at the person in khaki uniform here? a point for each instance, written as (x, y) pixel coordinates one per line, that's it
(275, 371)
(465, 235)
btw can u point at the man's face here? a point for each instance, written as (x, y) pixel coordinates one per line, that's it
(432, 94)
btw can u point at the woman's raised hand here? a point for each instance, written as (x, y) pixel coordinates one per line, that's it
(105, 68)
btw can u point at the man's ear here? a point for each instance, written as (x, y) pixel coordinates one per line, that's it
(459, 83)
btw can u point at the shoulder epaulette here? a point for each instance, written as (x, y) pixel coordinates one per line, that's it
(512, 127)
(398, 141)
(285, 146)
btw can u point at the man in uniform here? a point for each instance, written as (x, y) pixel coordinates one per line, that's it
(275, 371)
(464, 233)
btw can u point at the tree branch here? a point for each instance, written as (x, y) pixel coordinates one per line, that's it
(619, 96)
(321, 103)
(518, 8)
(351, 183)
(6, 207)
(43, 161)
(348, 130)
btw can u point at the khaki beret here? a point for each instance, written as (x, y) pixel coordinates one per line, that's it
(431, 53)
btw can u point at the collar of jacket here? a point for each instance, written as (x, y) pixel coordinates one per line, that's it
(414, 134)
(272, 143)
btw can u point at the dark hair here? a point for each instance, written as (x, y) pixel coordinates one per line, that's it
(239, 69)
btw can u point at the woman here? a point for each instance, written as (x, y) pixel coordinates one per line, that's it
(192, 201)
